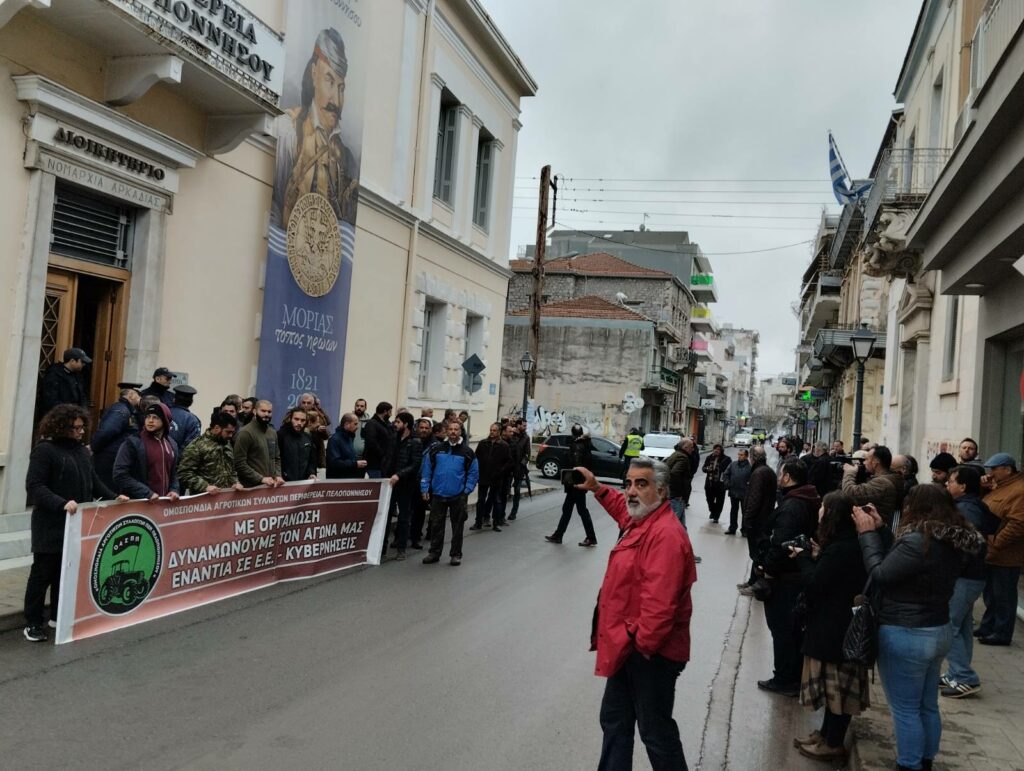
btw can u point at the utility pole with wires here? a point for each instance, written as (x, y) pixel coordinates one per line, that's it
(547, 185)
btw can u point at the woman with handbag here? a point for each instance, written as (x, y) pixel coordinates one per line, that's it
(915, 581)
(833, 575)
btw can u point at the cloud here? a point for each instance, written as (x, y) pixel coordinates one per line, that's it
(730, 90)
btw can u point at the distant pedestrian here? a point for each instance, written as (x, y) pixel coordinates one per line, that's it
(631, 447)
(494, 459)
(257, 456)
(296, 446)
(736, 479)
(680, 479)
(714, 485)
(405, 479)
(185, 427)
(1005, 498)
(915, 580)
(641, 628)
(146, 467)
(379, 442)
(161, 386)
(425, 433)
(960, 679)
(449, 475)
(60, 478)
(342, 460)
(63, 382)
(580, 456)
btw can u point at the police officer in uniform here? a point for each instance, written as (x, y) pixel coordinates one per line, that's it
(630, 449)
(161, 386)
(119, 421)
(185, 427)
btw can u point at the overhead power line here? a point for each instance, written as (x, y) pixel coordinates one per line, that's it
(696, 215)
(706, 254)
(679, 179)
(645, 202)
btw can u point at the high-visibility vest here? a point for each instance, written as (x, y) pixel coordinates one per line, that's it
(634, 444)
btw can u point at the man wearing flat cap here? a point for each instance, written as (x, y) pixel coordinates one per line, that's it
(63, 383)
(311, 157)
(161, 386)
(185, 427)
(1005, 549)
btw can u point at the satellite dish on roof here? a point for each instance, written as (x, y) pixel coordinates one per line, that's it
(621, 297)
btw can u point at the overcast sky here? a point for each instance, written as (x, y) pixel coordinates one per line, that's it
(735, 90)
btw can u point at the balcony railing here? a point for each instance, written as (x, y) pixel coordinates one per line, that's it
(905, 174)
(999, 23)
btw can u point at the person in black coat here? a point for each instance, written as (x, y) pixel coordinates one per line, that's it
(405, 482)
(379, 443)
(298, 452)
(714, 483)
(580, 454)
(494, 459)
(120, 420)
(60, 477)
(161, 386)
(342, 460)
(797, 515)
(757, 508)
(833, 575)
(63, 383)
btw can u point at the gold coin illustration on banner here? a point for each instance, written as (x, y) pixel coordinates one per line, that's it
(314, 245)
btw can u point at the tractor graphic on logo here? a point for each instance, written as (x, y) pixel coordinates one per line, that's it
(126, 565)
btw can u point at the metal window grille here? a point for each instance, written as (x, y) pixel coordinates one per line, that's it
(91, 228)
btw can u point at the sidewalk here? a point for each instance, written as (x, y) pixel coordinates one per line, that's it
(979, 733)
(12, 581)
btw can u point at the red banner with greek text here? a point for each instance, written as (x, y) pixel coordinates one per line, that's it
(125, 563)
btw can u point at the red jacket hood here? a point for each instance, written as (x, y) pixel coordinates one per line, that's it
(804, 492)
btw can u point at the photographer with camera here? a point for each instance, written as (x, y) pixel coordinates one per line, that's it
(883, 488)
(832, 572)
(581, 453)
(796, 516)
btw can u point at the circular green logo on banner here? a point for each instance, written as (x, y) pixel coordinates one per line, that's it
(126, 565)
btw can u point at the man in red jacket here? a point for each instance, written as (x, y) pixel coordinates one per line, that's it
(642, 626)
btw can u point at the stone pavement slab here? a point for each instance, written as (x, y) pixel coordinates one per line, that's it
(979, 733)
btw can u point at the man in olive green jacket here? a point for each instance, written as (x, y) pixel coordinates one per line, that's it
(257, 458)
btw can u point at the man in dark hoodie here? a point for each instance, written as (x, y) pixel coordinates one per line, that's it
(63, 382)
(298, 452)
(797, 515)
(379, 443)
(146, 467)
(161, 386)
(119, 421)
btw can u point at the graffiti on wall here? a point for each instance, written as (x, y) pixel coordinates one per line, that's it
(596, 419)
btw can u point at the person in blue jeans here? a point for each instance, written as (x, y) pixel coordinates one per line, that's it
(960, 680)
(912, 584)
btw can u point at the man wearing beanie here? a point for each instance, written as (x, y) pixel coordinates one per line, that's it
(941, 465)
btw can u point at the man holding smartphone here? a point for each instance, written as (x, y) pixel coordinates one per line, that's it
(580, 455)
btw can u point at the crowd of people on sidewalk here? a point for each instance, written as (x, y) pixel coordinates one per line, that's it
(859, 565)
(150, 445)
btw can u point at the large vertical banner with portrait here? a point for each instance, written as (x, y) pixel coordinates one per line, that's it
(313, 211)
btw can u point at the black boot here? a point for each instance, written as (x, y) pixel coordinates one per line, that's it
(926, 764)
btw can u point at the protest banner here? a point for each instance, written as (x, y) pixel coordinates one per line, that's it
(126, 563)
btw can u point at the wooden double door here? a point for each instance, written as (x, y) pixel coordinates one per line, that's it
(85, 306)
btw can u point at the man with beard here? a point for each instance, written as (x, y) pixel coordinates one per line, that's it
(641, 629)
(146, 465)
(796, 516)
(359, 410)
(425, 433)
(245, 410)
(968, 452)
(161, 386)
(257, 457)
(342, 461)
(449, 474)
(494, 458)
(405, 480)
(208, 465)
(311, 155)
(379, 442)
(298, 453)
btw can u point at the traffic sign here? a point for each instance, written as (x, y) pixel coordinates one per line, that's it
(473, 365)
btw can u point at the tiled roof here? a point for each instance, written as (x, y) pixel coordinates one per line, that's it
(585, 308)
(597, 264)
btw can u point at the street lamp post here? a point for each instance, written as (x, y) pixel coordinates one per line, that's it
(863, 342)
(526, 362)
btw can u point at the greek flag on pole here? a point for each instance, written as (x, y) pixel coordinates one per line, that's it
(842, 186)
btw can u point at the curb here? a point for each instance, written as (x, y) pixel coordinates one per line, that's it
(12, 621)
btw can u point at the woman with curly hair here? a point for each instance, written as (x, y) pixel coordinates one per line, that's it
(60, 477)
(915, 581)
(833, 574)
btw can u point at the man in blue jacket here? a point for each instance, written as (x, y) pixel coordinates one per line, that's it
(449, 475)
(342, 460)
(120, 421)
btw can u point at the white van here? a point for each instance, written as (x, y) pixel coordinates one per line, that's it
(659, 446)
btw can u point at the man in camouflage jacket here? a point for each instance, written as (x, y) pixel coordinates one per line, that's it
(208, 465)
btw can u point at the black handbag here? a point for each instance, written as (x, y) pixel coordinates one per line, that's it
(860, 643)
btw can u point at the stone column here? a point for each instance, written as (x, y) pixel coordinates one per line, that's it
(464, 173)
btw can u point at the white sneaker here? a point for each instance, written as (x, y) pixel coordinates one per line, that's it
(52, 624)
